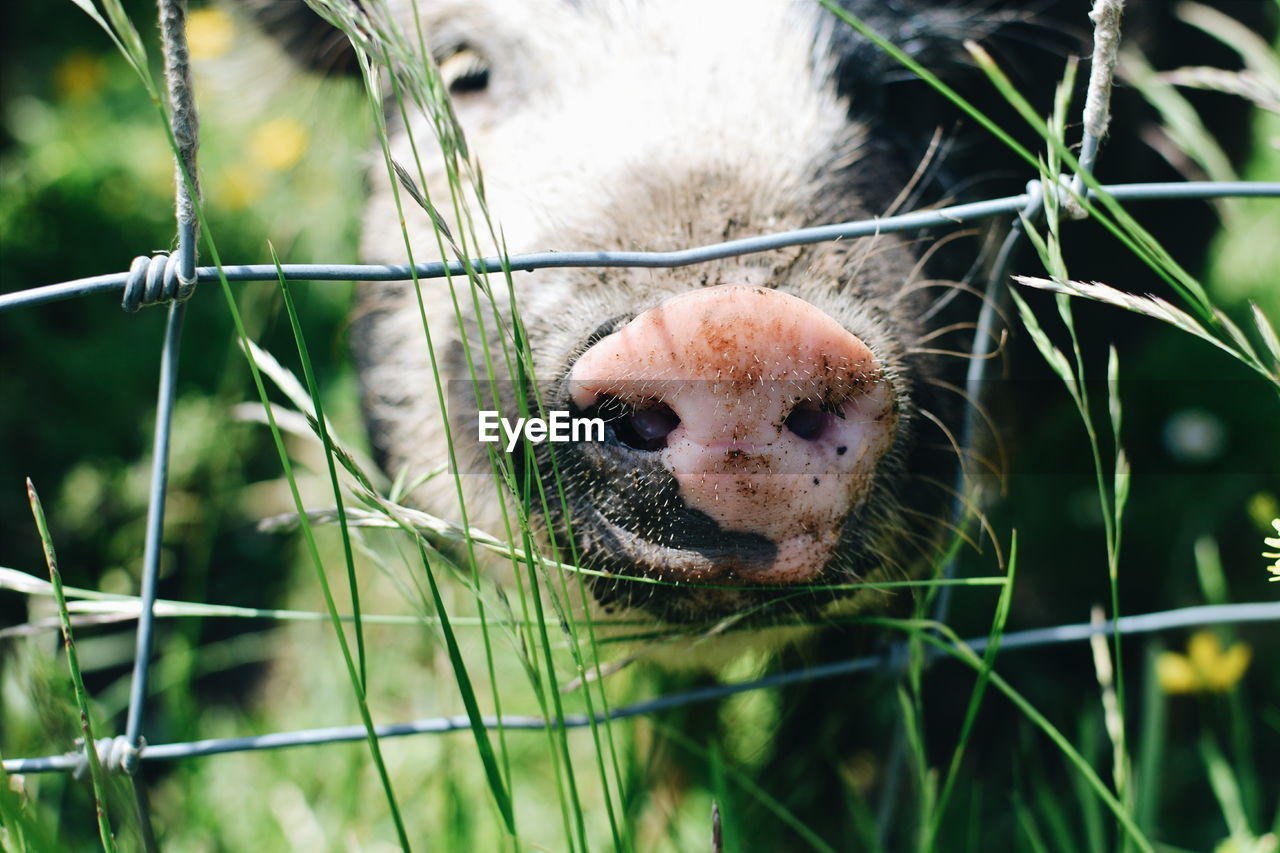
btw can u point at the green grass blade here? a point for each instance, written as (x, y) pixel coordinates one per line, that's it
(1052, 811)
(1121, 225)
(496, 784)
(942, 638)
(23, 830)
(125, 37)
(755, 792)
(1182, 123)
(318, 564)
(930, 78)
(1226, 790)
(1257, 54)
(320, 426)
(1095, 832)
(96, 774)
(1027, 822)
(308, 536)
(1151, 746)
(431, 96)
(463, 252)
(998, 621)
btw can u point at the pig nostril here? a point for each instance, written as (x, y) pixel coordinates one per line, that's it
(807, 422)
(644, 428)
(647, 429)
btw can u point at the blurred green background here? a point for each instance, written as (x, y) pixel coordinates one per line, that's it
(86, 184)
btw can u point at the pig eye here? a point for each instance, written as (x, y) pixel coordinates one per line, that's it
(464, 72)
(642, 427)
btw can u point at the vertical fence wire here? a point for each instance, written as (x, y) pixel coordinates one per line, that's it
(185, 126)
(1106, 16)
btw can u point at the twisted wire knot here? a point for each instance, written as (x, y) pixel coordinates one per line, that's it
(1064, 193)
(115, 754)
(155, 279)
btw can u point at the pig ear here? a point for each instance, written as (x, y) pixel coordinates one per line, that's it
(307, 38)
(935, 33)
(904, 111)
(932, 36)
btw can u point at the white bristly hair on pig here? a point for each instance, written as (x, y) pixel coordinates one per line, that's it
(615, 125)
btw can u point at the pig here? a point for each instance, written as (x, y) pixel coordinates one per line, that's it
(772, 423)
(776, 423)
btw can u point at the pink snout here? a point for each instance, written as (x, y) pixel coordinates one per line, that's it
(769, 414)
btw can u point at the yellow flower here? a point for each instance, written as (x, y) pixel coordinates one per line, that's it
(209, 33)
(1273, 555)
(238, 187)
(1205, 668)
(80, 75)
(279, 144)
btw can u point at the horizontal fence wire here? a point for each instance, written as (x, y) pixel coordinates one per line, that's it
(122, 754)
(893, 655)
(915, 221)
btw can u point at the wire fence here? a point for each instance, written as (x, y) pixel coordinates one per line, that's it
(171, 279)
(142, 284)
(113, 752)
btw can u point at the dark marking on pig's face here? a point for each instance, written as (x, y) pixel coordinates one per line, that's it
(762, 407)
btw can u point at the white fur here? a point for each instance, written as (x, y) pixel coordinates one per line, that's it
(616, 125)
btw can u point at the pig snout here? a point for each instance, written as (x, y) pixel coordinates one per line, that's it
(769, 416)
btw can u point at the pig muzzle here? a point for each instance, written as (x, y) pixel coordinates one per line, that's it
(769, 415)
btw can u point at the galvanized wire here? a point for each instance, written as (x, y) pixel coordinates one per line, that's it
(173, 278)
(918, 220)
(893, 655)
(168, 279)
(975, 373)
(121, 754)
(1106, 16)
